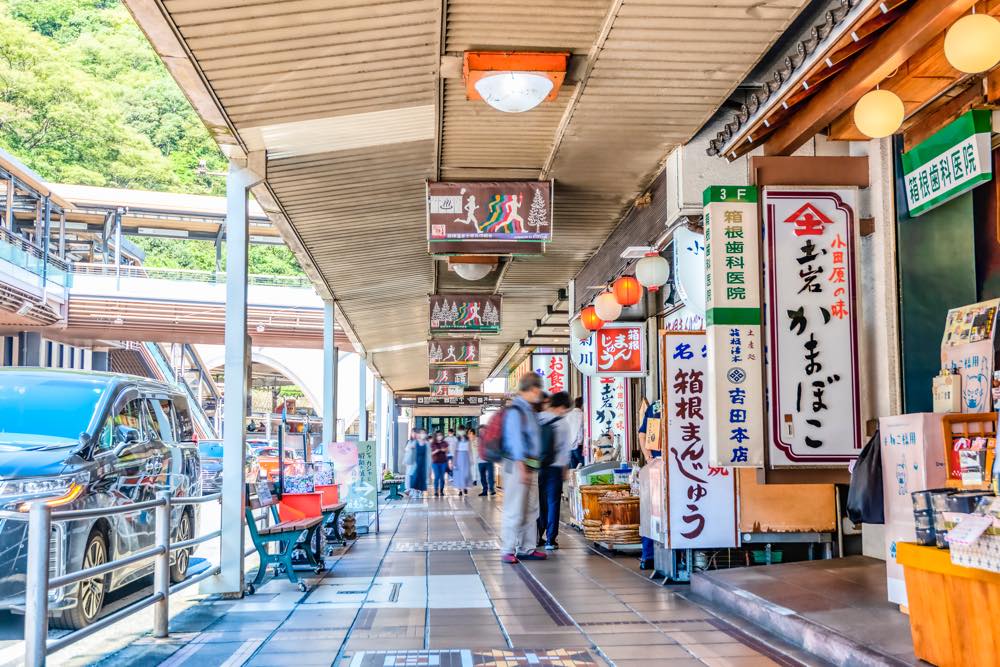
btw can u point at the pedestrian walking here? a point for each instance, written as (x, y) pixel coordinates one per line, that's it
(461, 456)
(575, 421)
(451, 440)
(487, 472)
(521, 447)
(439, 462)
(556, 427)
(416, 463)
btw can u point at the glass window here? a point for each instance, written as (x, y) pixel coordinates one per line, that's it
(163, 412)
(151, 425)
(128, 416)
(185, 426)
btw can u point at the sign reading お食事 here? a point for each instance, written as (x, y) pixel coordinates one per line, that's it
(552, 369)
(453, 352)
(489, 211)
(813, 388)
(953, 160)
(470, 313)
(733, 318)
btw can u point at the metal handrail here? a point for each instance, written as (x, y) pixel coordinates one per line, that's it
(30, 248)
(192, 275)
(36, 610)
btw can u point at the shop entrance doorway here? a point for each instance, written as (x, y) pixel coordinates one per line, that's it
(443, 423)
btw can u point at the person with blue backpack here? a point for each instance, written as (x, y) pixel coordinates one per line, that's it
(557, 436)
(521, 446)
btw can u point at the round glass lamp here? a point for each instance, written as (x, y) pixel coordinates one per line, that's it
(972, 43)
(514, 92)
(879, 113)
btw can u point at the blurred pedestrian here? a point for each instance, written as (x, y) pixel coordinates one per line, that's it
(416, 463)
(575, 420)
(487, 472)
(451, 440)
(521, 447)
(439, 462)
(461, 457)
(554, 426)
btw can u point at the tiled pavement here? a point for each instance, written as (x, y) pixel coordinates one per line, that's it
(430, 590)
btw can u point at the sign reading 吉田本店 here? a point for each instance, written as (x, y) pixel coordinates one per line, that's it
(813, 390)
(552, 368)
(441, 375)
(489, 211)
(732, 316)
(701, 498)
(471, 313)
(453, 352)
(953, 160)
(620, 349)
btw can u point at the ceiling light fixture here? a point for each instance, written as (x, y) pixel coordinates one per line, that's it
(473, 271)
(972, 43)
(25, 308)
(513, 82)
(879, 113)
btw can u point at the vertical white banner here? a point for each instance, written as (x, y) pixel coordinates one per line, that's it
(733, 319)
(812, 353)
(701, 498)
(609, 410)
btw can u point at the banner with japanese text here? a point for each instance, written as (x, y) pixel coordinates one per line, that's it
(735, 412)
(810, 268)
(552, 368)
(618, 348)
(453, 352)
(608, 407)
(701, 498)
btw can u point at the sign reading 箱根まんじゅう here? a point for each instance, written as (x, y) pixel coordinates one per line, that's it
(471, 313)
(952, 161)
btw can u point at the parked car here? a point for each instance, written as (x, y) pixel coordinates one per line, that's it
(211, 465)
(82, 440)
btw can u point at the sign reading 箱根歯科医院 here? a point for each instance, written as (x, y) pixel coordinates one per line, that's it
(735, 414)
(952, 161)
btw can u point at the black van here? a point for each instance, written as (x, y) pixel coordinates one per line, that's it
(83, 440)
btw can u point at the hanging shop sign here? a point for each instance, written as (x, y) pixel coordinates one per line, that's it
(582, 354)
(967, 349)
(518, 372)
(458, 376)
(467, 400)
(812, 333)
(701, 498)
(447, 390)
(733, 317)
(471, 313)
(608, 407)
(489, 211)
(552, 368)
(689, 269)
(453, 352)
(952, 161)
(620, 349)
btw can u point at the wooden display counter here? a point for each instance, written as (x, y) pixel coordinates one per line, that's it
(952, 608)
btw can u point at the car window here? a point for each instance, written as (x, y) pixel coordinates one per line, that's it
(129, 415)
(184, 424)
(151, 425)
(162, 411)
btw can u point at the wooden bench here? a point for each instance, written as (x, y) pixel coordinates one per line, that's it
(284, 534)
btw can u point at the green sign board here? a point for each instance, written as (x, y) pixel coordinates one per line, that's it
(363, 494)
(952, 161)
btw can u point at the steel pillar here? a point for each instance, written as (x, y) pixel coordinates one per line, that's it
(330, 363)
(230, 579)
(379, 417)
(362, 400)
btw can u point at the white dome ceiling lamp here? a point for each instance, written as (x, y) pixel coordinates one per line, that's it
(972, 43)
(472, 267)
(513, 82)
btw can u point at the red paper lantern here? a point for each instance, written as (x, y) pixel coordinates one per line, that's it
(627, 290)
(590, 319)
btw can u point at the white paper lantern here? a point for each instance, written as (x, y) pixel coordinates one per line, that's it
(579, 331)
(652, 271)
(607, 307)
(972, 43)
(879, 113)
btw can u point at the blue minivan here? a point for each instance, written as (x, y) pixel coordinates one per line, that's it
(81, 440)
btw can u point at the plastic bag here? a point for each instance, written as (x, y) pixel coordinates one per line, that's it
(865, 502)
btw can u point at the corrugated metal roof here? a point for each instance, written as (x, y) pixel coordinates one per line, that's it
(644, 76)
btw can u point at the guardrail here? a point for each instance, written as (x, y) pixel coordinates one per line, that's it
(30, 257)
(39, 582)
(184, 275)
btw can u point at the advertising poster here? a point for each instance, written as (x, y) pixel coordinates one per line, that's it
(701, 498)
(489, 211)
(443, 375)
(968, 348)
(609, 411)
(471, 313)
(736, 425)
(453, 352)
(363, 490)
(814, 410)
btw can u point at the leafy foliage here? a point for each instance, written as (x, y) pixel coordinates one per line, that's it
(84, 99)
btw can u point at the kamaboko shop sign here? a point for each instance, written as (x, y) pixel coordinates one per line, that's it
(952, 161)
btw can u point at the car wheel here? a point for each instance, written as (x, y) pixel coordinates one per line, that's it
(182, 558)
(91, 592)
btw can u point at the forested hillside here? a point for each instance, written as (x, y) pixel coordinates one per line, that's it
(84, 99)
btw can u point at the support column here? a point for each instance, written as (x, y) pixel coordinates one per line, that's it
(394, 437)
(230, 580)
(62, 235)
(9, 212)
(330, 365)
(362, 400)
(379, 419)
